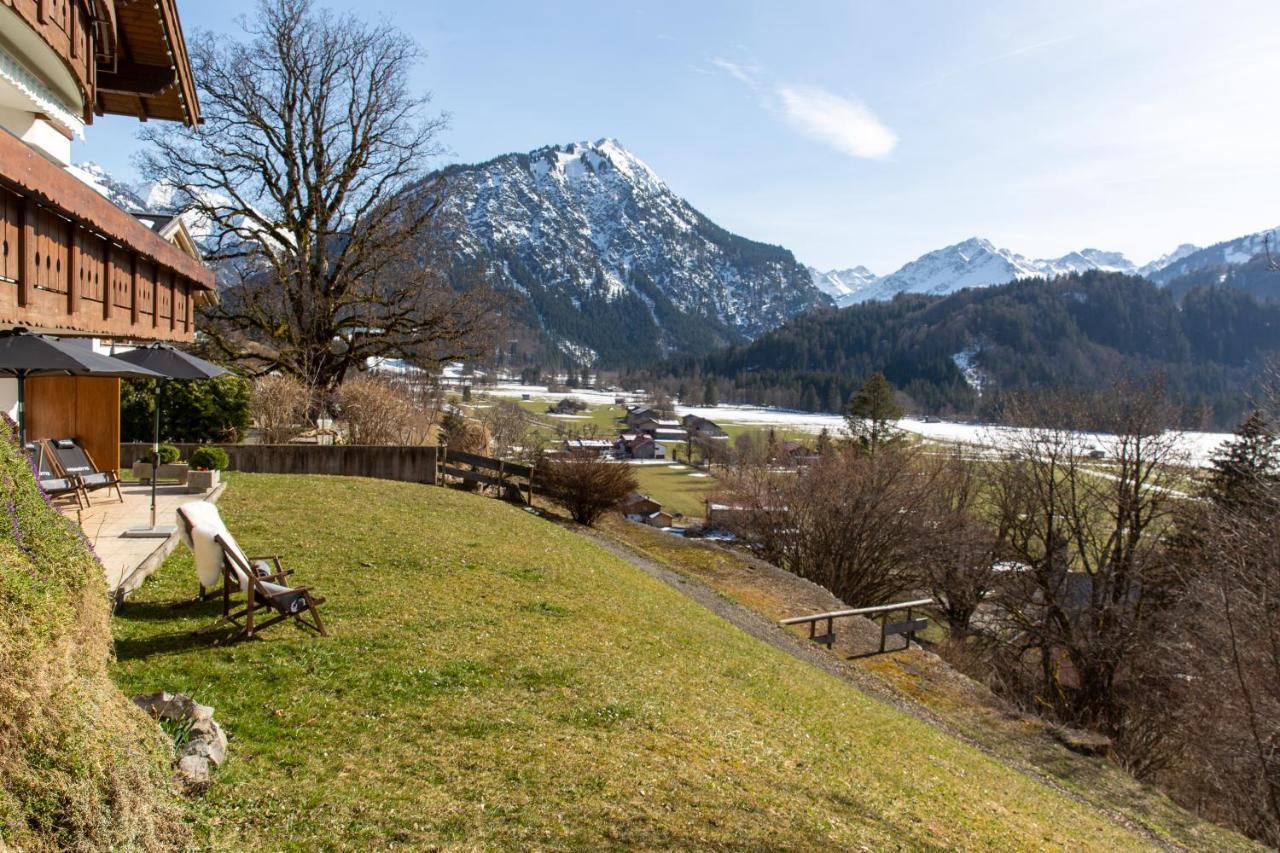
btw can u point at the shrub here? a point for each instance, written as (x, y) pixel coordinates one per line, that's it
(379, 410)
(586, 488)
(279, 405)
(207, 410)
(169, 454)
(209, 459)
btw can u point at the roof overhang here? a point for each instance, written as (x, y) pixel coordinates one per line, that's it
(144, 69)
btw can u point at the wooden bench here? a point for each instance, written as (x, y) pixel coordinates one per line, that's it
(907, 627)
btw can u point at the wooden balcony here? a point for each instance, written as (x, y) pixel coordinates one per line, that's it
(72, 262)
(127, 57)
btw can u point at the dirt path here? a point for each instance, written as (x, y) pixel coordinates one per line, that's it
(768, 631)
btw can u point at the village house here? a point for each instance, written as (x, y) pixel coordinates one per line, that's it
(639, 507)
(700, 427)
(73, 263)
(660, 518)
(588, 448)
(634, 445)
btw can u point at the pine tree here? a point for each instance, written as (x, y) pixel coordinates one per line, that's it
(809, 400)
(872, 412)
(710, 395)
(1244, 467)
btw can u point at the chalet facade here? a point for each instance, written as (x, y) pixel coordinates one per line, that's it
(71, 262)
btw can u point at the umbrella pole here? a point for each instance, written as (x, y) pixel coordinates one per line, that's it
(155, 455)
(153, 532)
(22, 413)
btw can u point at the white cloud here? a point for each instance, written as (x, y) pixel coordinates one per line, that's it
(844, 125)
(840, 123)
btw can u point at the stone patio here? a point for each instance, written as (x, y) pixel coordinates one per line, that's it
(129, 561)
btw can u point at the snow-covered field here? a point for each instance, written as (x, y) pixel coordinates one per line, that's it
(1197, 446)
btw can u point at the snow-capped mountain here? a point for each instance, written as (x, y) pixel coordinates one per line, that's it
(606, 262)
(120, 194)
(979, 263)
(1188, 259)
(1185, 250)
(843, 285)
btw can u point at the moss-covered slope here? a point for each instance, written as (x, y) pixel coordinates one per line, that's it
(80, 767)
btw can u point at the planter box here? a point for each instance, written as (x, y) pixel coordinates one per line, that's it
(199, 482)
(176, 471)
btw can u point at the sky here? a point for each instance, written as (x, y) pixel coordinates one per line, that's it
(870, 132)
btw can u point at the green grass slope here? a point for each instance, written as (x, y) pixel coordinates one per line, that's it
(80, 767)
(496, 681)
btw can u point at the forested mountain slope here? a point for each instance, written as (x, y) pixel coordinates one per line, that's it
(957, 354)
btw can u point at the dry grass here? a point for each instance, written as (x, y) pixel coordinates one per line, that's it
(494, 681)
(923, 680)
(80, 767)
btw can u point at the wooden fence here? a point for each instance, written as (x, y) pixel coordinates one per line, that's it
(513, 480)
(409, 464)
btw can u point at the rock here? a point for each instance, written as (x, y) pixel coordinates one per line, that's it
(194, 770)
(206, 741)
(172, 706)
(1081, 741)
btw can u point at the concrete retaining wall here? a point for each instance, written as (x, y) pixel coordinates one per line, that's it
(406, 464)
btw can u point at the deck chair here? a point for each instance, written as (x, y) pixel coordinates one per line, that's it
(259, 579)
(75, 462)
(50, 479)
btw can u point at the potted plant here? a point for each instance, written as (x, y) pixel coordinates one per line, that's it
(170, 467)
(205, 463)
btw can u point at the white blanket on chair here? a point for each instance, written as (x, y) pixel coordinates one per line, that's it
(201, 513)
(208, 555)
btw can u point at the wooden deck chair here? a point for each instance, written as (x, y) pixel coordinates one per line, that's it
(261, 581)
(51, 480)
(74, 461)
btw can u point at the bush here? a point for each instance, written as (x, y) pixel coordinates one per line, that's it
(209, 459)
(586, 488)
(169, 454)
(378, 410)
(279, 405)
(207, 410)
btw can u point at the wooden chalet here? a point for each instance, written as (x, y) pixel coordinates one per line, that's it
(71, 262)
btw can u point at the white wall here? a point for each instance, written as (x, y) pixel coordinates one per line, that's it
(9, 397)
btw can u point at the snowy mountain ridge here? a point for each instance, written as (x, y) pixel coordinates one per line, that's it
(602, 256)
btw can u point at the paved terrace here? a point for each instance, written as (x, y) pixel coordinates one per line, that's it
(129, 561)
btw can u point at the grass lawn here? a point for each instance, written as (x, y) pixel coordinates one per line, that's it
(494, 680)
(674, 488)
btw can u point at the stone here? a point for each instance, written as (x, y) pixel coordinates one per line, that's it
(1081, 741)
(193, 770)
(208, 739)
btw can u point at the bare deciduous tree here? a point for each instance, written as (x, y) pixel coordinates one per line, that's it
(311, 172)
(1088, 534)
(957, 557)
(851, 522)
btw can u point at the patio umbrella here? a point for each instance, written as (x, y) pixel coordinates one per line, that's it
(168, 363)
(24, 354)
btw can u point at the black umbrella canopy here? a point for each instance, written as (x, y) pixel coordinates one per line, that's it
(171, 362)
(24, 354)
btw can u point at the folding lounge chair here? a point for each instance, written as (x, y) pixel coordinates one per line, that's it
(260, 580)
(54, 485)
(75, 462)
